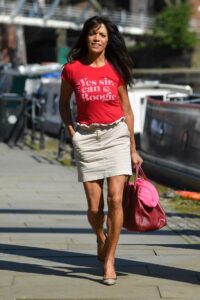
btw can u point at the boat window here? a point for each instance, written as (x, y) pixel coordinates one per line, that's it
(142, 100)
(157, 128)
(157, 97)
(195, 140)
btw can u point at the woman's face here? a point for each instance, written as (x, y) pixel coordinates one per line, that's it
(97, 39)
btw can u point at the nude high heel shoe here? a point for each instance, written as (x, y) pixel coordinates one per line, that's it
(109, 281)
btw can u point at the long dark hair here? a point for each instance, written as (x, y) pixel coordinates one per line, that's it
(116, 52)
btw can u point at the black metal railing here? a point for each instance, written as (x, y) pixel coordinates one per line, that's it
(35, 119)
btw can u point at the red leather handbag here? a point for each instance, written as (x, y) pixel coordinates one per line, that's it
(141, 205)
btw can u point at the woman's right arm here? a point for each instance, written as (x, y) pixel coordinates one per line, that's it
(64, 106)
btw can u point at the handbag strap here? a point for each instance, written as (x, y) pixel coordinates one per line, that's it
(139, 170)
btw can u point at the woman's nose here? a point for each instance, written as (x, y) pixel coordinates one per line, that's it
(96, 37)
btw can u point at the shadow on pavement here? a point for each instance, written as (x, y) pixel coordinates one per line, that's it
(76, 212)
(79, 264)
(67, 230)
(42, 211)
(179, 246)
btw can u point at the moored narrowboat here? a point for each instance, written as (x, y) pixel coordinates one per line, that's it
(170, 144)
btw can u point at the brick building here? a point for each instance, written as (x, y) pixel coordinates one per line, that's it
(195, 21)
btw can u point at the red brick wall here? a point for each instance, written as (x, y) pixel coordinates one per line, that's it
(195, 22)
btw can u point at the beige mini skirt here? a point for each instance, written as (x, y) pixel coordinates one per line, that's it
(102, 151)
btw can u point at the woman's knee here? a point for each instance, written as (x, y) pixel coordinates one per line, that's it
(95, 211)
(115, 201)
(95, 217)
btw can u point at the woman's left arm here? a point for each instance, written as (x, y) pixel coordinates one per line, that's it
(129, 119)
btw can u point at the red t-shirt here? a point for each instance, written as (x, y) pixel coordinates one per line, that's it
(96, 91)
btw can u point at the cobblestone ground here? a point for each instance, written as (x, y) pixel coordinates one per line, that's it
(187, 226)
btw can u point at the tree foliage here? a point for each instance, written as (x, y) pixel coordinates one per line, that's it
(171, 27)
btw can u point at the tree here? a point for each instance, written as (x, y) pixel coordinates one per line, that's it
(171, 27)
(171, 2)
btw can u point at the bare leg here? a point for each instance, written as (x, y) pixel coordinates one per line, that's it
(114, 222)
(94, 194)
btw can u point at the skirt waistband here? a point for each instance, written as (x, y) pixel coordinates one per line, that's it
(94, 127)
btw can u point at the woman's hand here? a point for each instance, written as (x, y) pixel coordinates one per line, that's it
(71, 131)
(136, 159)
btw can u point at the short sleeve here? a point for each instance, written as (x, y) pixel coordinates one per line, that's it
(121, 81)
(66, 74)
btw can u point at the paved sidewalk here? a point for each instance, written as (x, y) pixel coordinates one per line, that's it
(48, 251)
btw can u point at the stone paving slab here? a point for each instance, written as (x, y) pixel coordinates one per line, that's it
(169, 251)
(48, 251)
(69, 285)
(168, 291)
(96, 298)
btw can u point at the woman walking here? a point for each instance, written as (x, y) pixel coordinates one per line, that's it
(98, 71)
